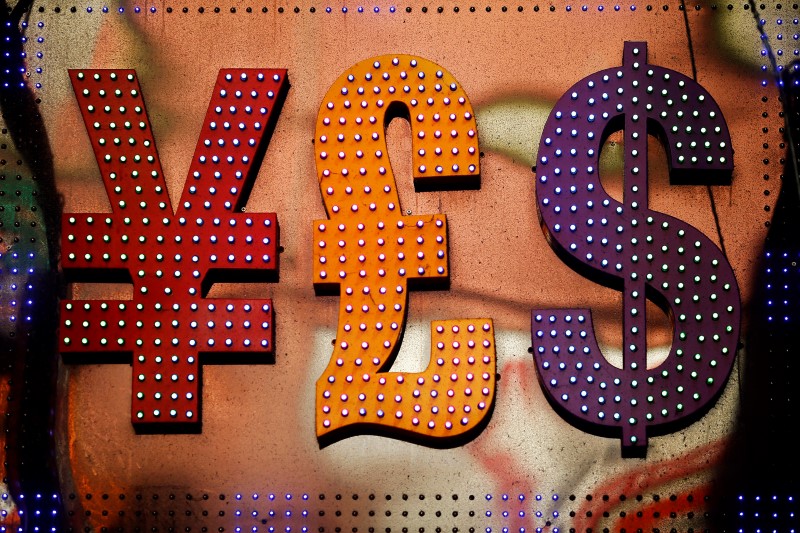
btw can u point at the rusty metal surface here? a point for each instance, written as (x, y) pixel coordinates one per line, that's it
(258, 432)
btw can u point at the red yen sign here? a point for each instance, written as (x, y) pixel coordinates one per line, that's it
(171, 257)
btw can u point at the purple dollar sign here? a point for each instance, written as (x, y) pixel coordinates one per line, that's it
(644, 253)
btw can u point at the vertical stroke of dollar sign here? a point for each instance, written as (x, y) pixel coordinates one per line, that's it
(648, 254)
(370, 252)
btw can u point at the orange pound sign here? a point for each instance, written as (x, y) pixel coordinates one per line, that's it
(369, 251)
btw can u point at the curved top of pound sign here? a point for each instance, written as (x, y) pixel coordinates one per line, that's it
(644, 253)
(369, 251)
(351, 145)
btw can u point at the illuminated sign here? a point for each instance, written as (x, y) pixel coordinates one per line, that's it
(371, 252)
(171, 257)
(644, 253)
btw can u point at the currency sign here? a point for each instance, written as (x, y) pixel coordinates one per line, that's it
(171, 258)
(370, 251)
(643, 253)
